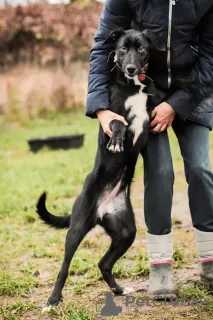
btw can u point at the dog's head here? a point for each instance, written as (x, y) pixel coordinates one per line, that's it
(132, 49)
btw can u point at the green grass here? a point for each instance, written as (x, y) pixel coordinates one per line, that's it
(14, 285)
(80, 314)
(25, 175)
(82, 263)
(142, 265)
(31, 253)
(121, 269)
(19, 307)
(193, 291)
(17, 310)
(72, 312)
(8, 316)
(178, 258)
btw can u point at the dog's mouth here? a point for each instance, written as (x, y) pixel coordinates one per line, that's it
(131, 71)
(130, 75)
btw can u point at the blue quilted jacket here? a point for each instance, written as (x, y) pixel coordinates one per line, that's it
(186, 27)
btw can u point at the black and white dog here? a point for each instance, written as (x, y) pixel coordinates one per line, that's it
(105, 198)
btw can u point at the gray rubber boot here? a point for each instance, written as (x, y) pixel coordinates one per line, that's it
(205, 249)
(160, 249)
(206, 275)
(161, 281)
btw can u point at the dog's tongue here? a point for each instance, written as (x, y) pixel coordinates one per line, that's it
(141, 77)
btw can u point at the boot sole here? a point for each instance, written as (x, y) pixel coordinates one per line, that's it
(162, 296)
(206, 282)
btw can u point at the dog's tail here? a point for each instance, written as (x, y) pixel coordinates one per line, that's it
(50, 219)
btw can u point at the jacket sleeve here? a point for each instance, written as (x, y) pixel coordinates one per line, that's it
(202, 73)
(116, 13)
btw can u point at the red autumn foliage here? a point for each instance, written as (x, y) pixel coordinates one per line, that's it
(67, 27)
(58, 22)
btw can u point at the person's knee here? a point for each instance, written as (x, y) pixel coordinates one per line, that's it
(197, 172)
(160, 175)
(165, 171)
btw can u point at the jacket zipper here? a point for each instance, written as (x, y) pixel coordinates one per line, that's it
(171, 3)
(194, 49)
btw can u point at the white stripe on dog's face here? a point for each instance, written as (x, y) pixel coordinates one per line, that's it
(137, 106)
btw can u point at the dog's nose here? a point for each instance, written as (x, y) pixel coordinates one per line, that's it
(131, 68)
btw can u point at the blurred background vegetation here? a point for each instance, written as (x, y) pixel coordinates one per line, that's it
(44, 56)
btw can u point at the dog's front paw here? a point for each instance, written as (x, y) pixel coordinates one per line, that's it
(115, 145)
(122, 291)
(127, 290)
(48, 309)
(54, 300)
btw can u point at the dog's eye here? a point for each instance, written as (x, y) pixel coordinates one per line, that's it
(124, 49)
(141, 49)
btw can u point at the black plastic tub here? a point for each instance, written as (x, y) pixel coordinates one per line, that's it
(57, 142)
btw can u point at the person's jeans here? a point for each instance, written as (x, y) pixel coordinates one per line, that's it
(159, 177)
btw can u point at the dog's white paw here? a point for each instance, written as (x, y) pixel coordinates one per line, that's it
(127, 290)
(47, 309)
(115, 148)
(118, 148)
(112, 148)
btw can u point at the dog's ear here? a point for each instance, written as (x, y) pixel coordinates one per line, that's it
(156, 41)
(114, 36)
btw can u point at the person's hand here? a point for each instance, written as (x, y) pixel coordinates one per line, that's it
(163, 116)
(105, 116)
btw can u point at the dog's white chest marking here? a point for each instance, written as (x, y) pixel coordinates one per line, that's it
(136, 105)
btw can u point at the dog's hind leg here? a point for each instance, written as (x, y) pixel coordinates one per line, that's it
(75, 235)
(122, 235)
